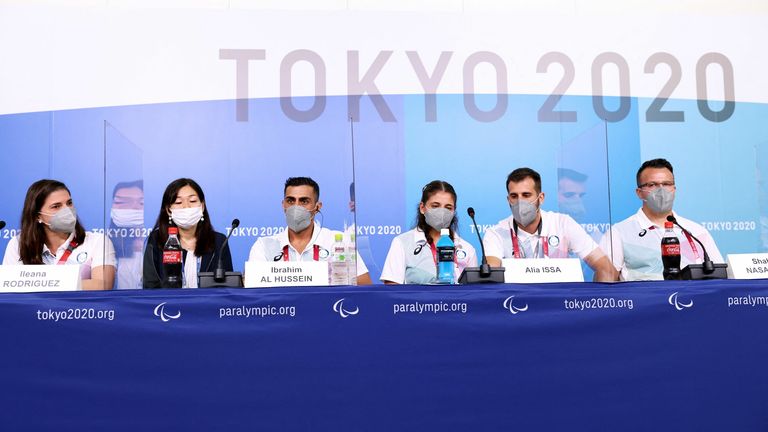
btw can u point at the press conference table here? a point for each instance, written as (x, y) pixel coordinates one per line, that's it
(627, 356)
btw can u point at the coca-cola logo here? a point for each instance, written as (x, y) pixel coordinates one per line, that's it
(171, 257)
(670, 249)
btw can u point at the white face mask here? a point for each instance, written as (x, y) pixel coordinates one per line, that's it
(125, 218)
(187, 217)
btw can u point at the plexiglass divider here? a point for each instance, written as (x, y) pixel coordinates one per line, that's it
(241, 167)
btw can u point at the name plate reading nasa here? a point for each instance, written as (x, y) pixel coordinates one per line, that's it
(542, 270)
(282, 273)
(39, 278)
(748, 266)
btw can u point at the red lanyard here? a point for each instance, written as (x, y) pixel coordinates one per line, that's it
(68, 252)
(315, 253)
(516, 246)
(434, 254)
(693, 245)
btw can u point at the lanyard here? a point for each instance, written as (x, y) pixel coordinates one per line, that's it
(315, 253)
(516, 245)
(68, 252)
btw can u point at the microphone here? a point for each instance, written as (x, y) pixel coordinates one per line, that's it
(2, 224)
(709, 266)
(218, 273)
(484, 273)
(485, 269)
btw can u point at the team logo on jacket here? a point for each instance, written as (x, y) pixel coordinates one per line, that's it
(419, 247)
(339, 308)
(553, 241)
(323, 253)
(675, 301)
(163, 315)
(461, 254)
(81, 257)
(512, 308)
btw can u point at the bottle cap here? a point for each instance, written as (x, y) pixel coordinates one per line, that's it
(668, 225)
(173, 230)
(445, 232)
(339, 237)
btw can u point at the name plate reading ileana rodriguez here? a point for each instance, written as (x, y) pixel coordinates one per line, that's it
(542, 270)
(748, 266)
(37, 278)
(282, 273)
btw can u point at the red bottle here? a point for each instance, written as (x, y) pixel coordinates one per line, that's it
(172, 260)
(670, 252)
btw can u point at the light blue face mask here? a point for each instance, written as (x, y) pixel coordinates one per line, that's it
(524, 212)
(298, 218)
(660, 200)
(439, 218)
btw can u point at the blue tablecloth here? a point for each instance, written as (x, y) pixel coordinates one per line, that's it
(625, 356)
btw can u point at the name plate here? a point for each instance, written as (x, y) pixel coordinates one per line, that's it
(282, 273)
(748, 266)
(38, 278)
(542, 270)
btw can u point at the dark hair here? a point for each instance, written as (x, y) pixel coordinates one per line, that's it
(204, 234)
(426, 193)
(32, 236)
(567, 173)
(139, 184)
(521, 174)
(653, 163)
(124, 243)
(302, 181)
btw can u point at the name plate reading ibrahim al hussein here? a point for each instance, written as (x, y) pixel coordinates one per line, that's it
(285, 273)
(748, 266)
(37, 278)
(542, 270)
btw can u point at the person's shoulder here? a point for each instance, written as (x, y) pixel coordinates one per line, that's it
(13, 242)
(504, 223)
(630, 221)
(406, 236)
(500, 226)
(558, 218)
(94, 237)
(153, 233)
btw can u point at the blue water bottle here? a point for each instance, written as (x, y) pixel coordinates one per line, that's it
(445, 253)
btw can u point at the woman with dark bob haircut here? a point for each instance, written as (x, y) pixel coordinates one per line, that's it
(184, 207)
(52, 234)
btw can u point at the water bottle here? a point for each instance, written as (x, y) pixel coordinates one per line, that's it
(445, 253)
(339, 265)
(172, 260)
(352, 260)
(670, 252)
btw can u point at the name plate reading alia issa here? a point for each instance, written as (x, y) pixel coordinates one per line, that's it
(542, 270)
(282, 273)
(37, 278)
(748, 266)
